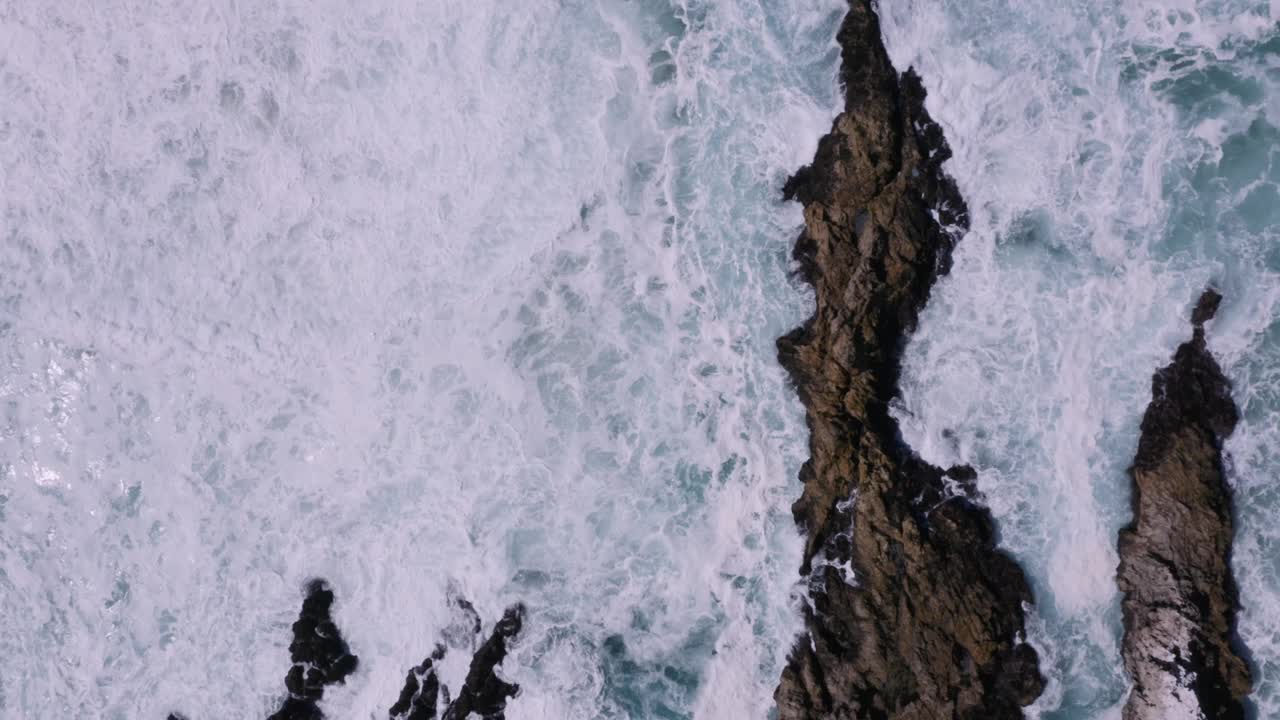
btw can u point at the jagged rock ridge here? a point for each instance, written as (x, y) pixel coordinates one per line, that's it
(929, 626)
(1180, 599)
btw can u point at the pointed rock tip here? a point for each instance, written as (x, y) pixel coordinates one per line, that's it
(1206, 307)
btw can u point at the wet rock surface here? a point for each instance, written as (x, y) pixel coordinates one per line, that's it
(915, 612)
(483, 692)
(319, 654)
(1180, 599)
(420, 696)
(321, 657)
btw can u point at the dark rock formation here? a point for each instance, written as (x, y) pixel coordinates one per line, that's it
(320, 656)
(483, 692)
(421, 690)
(1180, 599)
(929, 624)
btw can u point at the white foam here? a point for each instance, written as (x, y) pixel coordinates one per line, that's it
(399, 296)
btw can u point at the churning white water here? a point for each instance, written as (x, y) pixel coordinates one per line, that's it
(418, 297)
(480, 298)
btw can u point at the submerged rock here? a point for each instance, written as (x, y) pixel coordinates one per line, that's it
(1180, 599)
(915, 612)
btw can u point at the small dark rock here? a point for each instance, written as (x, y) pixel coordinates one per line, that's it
(320, 656)
(483, 692)
(1206, 307)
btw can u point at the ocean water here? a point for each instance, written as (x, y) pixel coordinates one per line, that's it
(479, 298)
(1118, 157)
(434, 298)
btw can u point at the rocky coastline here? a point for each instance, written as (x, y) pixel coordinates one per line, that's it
(1180, 598)
(915, 612)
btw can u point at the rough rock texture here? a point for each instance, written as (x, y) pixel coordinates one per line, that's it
(915, 613)
(483, 692)
(320, 656)
(421, 691)
(1180, 599)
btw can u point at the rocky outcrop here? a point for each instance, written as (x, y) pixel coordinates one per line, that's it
(319, 654)
(915, 612)
(321, 657)
(1180, 599)
(483, 692)
(421, 693)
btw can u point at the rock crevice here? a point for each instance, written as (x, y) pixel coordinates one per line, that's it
(915, 613)
(1180, 599)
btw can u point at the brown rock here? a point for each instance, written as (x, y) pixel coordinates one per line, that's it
(930, 627)
(1180, 599)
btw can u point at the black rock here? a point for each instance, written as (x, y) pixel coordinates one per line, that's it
(932, 625)
(483, 692)
(320, 656)
(421, 690)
